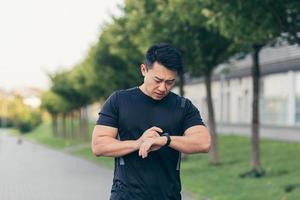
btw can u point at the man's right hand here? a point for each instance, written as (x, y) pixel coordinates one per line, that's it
(149, 133)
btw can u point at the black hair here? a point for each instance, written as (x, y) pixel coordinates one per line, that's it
(165, 55)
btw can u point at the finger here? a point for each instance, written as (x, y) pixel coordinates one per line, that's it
(145, 151)
(157, 129)
(140, 150)
(147, 147)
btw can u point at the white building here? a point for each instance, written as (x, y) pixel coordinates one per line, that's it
(31, 96)
(232, 91)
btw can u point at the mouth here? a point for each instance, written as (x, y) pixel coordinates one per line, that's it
(159, 94)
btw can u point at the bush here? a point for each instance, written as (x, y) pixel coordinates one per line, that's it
(5, 122)
(29, 120)
(17, 114)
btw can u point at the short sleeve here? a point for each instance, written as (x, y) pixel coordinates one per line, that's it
(108, 114)
(191, 116)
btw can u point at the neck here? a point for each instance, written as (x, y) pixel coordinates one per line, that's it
(143, 89)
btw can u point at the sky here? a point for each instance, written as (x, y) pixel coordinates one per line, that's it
(42, 36)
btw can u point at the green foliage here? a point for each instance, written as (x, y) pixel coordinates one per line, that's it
(181, 24)
(53, 103)
(286, 14)
(28, 120)
(246, 22)
(203, 30)
(68, 85)
(19, 115)
(117, 58)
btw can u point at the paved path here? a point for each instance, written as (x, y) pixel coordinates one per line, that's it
(291, 134)
(33, 172)
(30, 171)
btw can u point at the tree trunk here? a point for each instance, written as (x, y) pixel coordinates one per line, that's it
(181, 92)
(68, 129)
(255, 109)
(54, 125)
(85, 124)
(80, 123)
(72, 125)
(181, 83)
(211, 122)
(59, 126)
(64, 127)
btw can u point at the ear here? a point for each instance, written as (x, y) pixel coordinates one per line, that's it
(144, 69)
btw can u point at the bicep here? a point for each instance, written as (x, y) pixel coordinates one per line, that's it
(102, 135)
(104, 131)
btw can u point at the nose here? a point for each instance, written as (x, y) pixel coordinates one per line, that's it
(162, 87)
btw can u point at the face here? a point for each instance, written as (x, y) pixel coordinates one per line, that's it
(158, 81)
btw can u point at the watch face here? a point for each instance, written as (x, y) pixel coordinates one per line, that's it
(165, 134)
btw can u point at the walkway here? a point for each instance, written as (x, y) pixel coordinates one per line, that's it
(291, 134)
(33, 172)
(30, 171)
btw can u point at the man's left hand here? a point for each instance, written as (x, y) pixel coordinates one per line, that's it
(151, 144)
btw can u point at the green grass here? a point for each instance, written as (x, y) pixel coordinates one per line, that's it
(280, 160)
(43, 134)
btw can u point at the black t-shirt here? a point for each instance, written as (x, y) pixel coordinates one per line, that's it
(132, 112)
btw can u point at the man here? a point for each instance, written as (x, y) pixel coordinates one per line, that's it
(146, 128)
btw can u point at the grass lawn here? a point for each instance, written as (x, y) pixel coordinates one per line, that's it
(42, 134)
(280, 160)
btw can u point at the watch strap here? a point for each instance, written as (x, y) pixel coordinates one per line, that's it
(168, 138)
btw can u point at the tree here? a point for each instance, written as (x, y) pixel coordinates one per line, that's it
(251, 25)
(117, 57)
(23, 117)
(287, 18)
(66, 84)
(52, 103)
(202, 47)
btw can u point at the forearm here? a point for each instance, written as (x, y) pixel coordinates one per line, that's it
(110, 147)
(190, 144)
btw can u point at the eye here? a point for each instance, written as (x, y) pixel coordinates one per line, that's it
(157, 81)
(170, 82)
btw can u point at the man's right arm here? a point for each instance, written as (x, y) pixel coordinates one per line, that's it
(104, 142)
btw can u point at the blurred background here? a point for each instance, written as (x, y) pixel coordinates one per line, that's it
(60, 60)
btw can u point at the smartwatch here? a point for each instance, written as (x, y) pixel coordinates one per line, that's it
(168, 138)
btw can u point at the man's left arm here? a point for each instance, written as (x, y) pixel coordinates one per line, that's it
(196, 139)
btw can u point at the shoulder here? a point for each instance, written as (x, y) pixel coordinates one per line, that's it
(125, 93)
(181, 101)
(121, 95)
